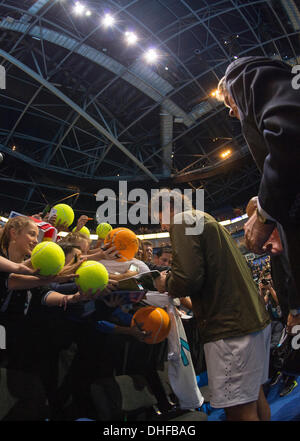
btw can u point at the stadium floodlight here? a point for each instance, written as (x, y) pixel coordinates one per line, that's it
(108, 20)
(226, 154)
(131, 37)
(151, 56)
(78, 8)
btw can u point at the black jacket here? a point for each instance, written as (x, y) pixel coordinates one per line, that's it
(270, 117)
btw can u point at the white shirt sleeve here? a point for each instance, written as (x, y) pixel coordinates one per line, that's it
(143, 268)
(43, 301)
(263, 212)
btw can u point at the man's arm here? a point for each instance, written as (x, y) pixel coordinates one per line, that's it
(186, 302)
(279, 192)
(188, 269)
(278, 116)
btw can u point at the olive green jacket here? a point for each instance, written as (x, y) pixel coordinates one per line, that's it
(210, 269)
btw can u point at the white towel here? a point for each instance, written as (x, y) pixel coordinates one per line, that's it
(181, 371)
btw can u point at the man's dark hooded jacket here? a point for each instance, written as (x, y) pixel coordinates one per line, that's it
(269, 108)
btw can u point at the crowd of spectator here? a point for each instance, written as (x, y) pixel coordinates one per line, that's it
(259, 266)
(100, 327)
(45, 315)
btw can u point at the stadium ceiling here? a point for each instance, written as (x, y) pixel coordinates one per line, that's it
(83, 110)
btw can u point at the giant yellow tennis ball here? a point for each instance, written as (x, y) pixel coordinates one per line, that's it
(48, 257)
(125, 241)
(64, 214)
(84, 230)
(92, 275)
(103, 230)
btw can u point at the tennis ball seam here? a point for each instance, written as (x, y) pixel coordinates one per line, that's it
(160, 327)
(103, 227)
(112, 240)
(83, 230)
(65, 213)
(90, 264)
(45, 245)
(35, 254)
(56, 270)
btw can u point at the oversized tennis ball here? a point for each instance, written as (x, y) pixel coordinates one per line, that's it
(48, 257)
(64, 214)
(103, 230)
(125, 241)
(92, 275)
(156, 320)
(84, 230)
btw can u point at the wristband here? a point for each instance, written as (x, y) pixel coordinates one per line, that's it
(105, 327)
(124, 317)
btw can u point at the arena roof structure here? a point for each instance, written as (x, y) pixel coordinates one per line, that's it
(87, 105)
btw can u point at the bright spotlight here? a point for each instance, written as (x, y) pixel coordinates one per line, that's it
(225, 154)
(108, 20)
(151, 56)
(88, 13)
(214, 93)
(131, 37)
(78, 8)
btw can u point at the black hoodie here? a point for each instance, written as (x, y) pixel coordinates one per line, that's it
(269, 109)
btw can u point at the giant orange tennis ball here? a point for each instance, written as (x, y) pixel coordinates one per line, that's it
(153, 319)
(125, 241)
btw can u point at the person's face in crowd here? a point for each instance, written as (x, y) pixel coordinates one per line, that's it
(148, 252)
(155, 259)
(100, 243)
(268, 277)
(26, 239)
(139, 254)
(73, 256)
(165, 259)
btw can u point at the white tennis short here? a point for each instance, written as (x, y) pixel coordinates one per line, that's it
(237, 367)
